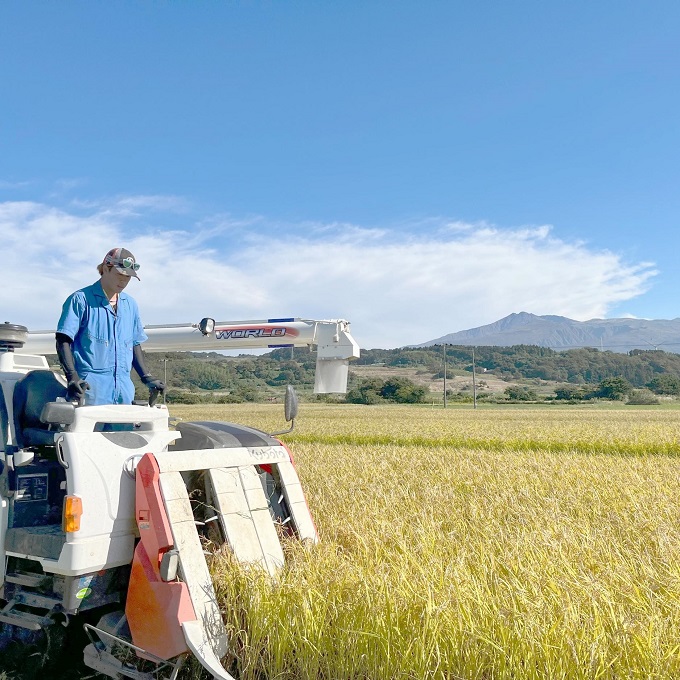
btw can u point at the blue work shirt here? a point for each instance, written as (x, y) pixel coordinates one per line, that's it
(103, 342)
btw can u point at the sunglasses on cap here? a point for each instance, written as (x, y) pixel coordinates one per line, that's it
(125, 263)
(128, 263)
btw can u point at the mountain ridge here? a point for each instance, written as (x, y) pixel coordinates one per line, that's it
(560, 332)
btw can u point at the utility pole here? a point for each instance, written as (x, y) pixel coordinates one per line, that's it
(165, 377)
(444, 348)
(474, 381)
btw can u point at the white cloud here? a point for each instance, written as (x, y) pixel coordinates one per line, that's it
(397, 287)
(11, 186)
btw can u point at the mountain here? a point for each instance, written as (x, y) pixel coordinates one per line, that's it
(559, 332)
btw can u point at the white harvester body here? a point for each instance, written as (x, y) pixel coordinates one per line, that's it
(108, 506)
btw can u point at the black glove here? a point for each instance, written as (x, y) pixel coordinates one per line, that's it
(153, 383)
(156, 388)
(77, 389)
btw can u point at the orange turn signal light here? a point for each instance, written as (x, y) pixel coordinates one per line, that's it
(73, 510)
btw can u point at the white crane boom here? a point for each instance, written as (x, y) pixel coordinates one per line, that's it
(332, 338)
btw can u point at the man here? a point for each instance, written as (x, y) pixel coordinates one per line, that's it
(99, 336)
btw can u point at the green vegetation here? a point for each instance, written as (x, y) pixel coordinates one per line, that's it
(589, 366)
(397, 390)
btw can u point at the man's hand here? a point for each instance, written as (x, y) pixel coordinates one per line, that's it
(156, 388)
(153, 383)
(77, 389)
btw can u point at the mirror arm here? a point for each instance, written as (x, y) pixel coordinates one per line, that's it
(290, 429)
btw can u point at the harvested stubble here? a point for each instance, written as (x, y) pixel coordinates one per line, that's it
(441, 561)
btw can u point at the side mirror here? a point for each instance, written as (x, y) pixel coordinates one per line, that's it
(290, 409)
(290, 405)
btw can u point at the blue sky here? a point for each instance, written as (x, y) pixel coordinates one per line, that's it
(418, 168)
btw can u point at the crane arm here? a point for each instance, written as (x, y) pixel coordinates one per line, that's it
(332, 338)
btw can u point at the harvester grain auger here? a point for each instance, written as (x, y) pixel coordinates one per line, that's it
(105, 510)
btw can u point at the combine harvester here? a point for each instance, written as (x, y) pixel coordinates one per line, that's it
(105, 510)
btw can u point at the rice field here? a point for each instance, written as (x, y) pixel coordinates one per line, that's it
(489, 544)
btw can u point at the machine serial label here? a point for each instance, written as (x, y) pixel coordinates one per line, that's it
(32, 487)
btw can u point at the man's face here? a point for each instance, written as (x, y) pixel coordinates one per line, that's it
(113, 281)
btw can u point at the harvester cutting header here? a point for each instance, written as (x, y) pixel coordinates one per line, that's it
(104, 510)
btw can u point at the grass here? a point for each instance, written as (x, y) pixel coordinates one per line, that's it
(615, 431)
(499, 543)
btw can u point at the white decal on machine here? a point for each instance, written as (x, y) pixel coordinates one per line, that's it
(268, 453)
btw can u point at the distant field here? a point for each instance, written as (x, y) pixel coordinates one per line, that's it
(459, 543)
(456, 379)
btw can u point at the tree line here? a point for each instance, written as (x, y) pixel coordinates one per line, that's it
(584, 366)
(216, 377)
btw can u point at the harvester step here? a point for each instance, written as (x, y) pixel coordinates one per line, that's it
(24, 619)
(26, 579)
(36, 600)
